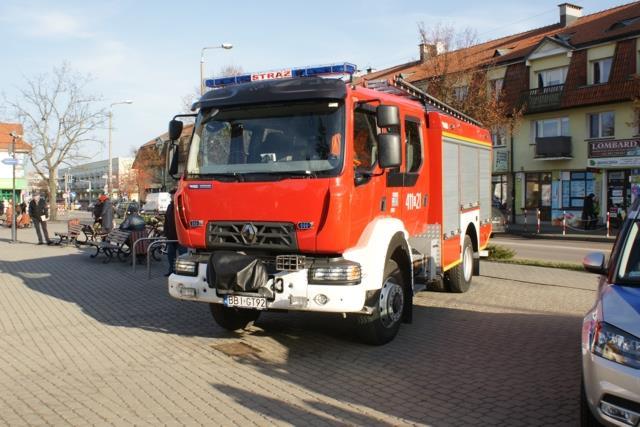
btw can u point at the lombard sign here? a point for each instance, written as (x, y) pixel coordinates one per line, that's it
(614, 153)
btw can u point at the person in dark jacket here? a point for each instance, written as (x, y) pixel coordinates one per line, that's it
(97, 211)
(40, 215)
(589, 218)
(133, 221)
(107, 214)
(171, 233)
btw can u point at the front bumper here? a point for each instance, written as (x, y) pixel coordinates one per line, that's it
(611, 382)
(297, 293)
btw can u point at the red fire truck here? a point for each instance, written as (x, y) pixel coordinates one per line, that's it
(307, 192)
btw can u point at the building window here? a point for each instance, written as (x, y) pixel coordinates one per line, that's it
(601, 70)
(576, 188)
(552, 127)
(499, 137)
(602, 125)
(460, 93)
(552, 77)
(496, 87)
(414, 144)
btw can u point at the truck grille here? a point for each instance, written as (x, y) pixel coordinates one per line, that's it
(258, 235)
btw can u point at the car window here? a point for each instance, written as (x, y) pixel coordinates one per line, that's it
(629, 269)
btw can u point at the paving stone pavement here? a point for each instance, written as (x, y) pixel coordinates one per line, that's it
(87, 343)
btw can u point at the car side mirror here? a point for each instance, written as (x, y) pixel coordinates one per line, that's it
(388, 116)
(175, 129)
(389, 151)
(594, 263)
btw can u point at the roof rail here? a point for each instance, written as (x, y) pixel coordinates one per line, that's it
(399, 86)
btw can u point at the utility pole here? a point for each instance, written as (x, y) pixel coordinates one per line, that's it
(14, 137)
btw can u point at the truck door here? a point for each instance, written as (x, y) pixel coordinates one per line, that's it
(409, 182)
(367, 198)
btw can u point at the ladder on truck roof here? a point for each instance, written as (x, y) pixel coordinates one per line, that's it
(400, 87)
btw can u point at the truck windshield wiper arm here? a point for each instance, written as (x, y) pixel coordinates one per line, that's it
(232, 176)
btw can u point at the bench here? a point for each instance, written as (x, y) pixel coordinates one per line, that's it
(114, 243)
(74, 228)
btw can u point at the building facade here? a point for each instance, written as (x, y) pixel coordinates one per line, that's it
(576, 85)
(88, 180)
(22, 151)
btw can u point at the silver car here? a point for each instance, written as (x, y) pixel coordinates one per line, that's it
(611, 334)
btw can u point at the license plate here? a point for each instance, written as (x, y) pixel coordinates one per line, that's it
(245, 302)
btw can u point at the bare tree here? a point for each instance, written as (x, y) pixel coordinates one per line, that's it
(454, 72)
(60, 119)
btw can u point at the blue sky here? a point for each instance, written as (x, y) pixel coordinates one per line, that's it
(149, 51)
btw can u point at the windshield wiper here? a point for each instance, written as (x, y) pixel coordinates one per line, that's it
(297, 174)
(231, 176)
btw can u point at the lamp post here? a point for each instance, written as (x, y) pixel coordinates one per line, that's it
(127, 101)
(222, 46)
(14, 136)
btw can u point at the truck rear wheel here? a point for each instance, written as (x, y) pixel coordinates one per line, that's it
(459, 277)
(232, 318)
(383, 324)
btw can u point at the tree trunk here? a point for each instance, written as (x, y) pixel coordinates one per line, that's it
(53, 193)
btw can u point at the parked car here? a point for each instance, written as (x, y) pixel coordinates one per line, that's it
(611, 333)
(123, 207)
(498, 216)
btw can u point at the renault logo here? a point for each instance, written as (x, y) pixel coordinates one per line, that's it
(249, 233)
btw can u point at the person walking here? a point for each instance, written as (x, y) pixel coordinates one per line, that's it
(107, 214)
(170, 232)
(40, 215)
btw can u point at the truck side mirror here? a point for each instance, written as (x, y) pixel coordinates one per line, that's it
(173, 167)
(175, 130)
(388, 116)
(389, 151)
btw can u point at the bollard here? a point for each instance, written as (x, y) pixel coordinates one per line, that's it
(564, 223)
(608, 224)
(525, 220)
(538, 221)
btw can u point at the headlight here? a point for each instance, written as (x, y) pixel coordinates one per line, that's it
(186, 267)
(616, 345)
(336, 272)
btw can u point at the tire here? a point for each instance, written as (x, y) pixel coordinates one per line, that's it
(388, 306)
(458, 279)
(233, 319)
(587, 419)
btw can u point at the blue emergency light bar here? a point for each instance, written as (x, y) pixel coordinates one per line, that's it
(316, 70)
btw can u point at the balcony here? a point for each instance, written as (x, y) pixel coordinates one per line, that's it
(542, 99)
(553, 148)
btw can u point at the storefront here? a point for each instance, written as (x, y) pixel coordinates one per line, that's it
(620, 162)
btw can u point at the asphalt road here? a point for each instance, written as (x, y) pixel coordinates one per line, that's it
(551, 249)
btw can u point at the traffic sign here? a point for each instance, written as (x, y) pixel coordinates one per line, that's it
(10, 161)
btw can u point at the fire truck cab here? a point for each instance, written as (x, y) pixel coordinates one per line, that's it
(303, 192)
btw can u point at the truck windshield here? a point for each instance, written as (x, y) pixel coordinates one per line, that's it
(268, 141)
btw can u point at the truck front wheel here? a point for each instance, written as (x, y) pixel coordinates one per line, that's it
(388, 306)
(458, 279)
(232, 318)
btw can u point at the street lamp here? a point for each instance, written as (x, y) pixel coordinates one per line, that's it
(222, 46)
(14, 136)
(127, 101)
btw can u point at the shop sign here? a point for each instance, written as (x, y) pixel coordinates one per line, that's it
(615, 162)
(501, 161)
(614, 148)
